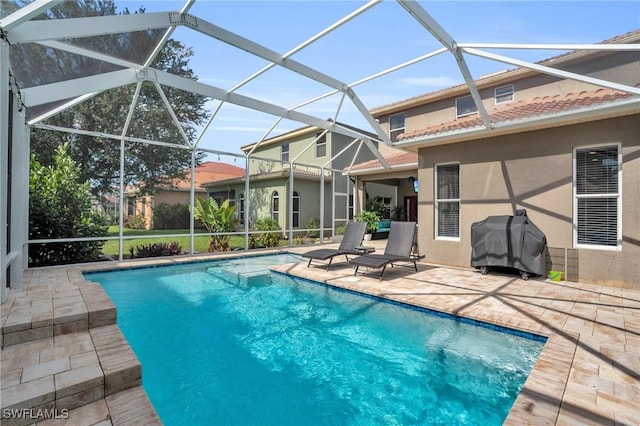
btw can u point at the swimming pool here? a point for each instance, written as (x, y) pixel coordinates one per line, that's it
(222, 343)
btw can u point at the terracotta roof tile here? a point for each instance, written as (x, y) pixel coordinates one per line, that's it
(395, 160)
(527, 108)
(630, 37)
(209, 171)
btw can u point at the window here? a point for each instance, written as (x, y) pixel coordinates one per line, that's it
(597, 196)
(131, 206)
(465, 106)
(241, 210)
(296, 210)
(284, 154)
(396, 126)
(275, 206)
(447, 201)
(504, 94)
(321, 145)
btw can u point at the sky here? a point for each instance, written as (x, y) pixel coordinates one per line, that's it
(382, 37)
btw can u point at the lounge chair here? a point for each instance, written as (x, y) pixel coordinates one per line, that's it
(352, 238)
(399, 250)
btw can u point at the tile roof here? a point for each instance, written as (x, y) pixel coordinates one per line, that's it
(395, 160)
(299, 171)
(524, 109)
(300, 131)
(500, 76)
(209, 171)
(501, 114)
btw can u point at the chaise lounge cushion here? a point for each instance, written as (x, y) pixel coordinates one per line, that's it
(382, 231)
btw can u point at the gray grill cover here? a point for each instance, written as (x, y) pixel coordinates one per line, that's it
(508, 241)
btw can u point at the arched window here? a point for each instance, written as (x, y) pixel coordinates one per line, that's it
(241, 209)
(275, 206)
(296, 209)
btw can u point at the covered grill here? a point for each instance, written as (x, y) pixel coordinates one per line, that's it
(508, 242)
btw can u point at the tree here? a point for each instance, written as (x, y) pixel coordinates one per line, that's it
(60, 207)
(216, 218)
(146, 166)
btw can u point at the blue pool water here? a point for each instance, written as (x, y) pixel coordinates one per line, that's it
(223, 344)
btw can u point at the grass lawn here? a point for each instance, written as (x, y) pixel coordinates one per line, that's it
(110, 248)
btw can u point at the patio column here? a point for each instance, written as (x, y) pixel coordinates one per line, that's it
(14, 181)
(19, 230)
(359, 194)
(4, 163)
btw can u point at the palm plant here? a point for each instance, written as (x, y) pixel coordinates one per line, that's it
(371, 218)
(216, 218)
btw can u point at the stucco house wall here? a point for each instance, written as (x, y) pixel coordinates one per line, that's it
(621, 67)
(260, 197)
(499, 175)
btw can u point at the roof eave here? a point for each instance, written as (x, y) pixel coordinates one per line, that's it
(620, 108)
(378, 169)
(264, 176)
(502, 77)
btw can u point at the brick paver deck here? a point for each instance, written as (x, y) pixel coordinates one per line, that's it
(59, 340)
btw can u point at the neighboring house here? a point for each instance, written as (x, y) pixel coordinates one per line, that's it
(567, 151)
(315, 152)
(180, 192)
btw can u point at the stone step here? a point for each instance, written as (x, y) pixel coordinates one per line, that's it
(49, 311)
(129, 407)
(65, 372)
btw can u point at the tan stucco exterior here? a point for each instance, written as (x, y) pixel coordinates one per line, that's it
(527, 161)
(534, 171)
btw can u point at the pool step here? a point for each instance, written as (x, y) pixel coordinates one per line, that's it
(51, 311)
(66, 372)
(62, 350)
(129, 407)
(242, 275)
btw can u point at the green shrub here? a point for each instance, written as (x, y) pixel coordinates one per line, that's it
(370, 217)
(340, 230)
(314, 223)
(134, 222)
(156, 249)
(171, 216)
(60, 207)
(268, 239)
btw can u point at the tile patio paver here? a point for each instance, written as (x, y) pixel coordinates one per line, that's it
(587, 373)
